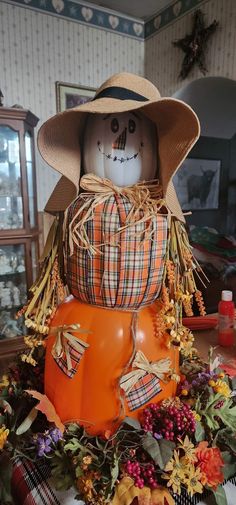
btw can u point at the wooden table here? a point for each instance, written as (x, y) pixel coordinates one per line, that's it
(205, 339)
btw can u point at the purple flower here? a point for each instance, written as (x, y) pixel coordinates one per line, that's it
(158, 436)
(44, 445)
(55, 435)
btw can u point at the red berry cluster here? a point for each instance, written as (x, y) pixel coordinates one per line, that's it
(142, 475)
(169, 422)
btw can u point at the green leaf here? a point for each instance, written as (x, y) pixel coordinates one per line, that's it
(227, 457)
(226, 436)
(229, 469)
(132, 422)
(199, 432)
(220, 496)
(100, 444)
(62, 477)
(6, 406)
(210, 411)
(5, 479)
(233, 381)
(25, 425)
(73, 446)
(72, 428)
(78, 472)
(114, 470)
(160, 451)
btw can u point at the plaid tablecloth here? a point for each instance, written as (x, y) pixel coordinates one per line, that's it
(31, 485)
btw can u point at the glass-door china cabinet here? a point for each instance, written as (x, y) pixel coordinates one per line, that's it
(18, 222)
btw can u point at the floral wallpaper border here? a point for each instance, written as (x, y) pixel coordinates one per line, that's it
(110, 20)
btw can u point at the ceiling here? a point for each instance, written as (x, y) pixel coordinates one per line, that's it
(142, 9)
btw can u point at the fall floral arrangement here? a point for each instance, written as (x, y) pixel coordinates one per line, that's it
(182, 445)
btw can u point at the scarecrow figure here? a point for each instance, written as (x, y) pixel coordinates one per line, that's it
(108, 353)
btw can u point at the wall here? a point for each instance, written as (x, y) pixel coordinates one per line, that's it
(163, 60)
(38, 49)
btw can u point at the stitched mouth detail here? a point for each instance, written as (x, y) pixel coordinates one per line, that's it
(122, 159)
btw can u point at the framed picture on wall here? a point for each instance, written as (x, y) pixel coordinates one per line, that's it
(71, 95)
(197, 184)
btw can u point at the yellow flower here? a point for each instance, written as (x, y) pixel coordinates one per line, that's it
(27, 358)
(85, 486)
(87, 460)
(3, 436)
(184, 392)
(174, 481)
(175, 377)
(175, 464)
(222, 388)
(32, 342)
(4, 382)
(189, 449)
(211, 383)
(192, 481)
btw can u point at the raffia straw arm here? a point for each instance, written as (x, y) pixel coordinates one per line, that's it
(43, 282)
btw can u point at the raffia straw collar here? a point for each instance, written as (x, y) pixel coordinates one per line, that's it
(145, 200)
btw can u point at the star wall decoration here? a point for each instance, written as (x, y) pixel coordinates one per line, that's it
(194, 45)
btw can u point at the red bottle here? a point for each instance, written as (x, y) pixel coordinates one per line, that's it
(226, 319)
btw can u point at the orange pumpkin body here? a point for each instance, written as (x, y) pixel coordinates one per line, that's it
(93, 395)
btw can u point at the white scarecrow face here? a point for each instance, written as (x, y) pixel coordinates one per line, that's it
(120, 147)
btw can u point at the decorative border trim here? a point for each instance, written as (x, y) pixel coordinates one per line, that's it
(110, 20)
(168, 15)
(88, 15)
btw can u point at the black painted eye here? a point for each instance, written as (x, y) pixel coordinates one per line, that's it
(114, 125)
(132, 126)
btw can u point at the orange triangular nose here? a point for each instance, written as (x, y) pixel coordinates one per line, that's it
(120, 142)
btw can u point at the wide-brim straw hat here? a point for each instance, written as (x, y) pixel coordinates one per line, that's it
(59, 139)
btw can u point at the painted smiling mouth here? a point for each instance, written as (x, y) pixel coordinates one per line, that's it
(115, 158)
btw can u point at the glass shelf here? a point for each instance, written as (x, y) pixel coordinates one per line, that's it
(11, 206)
(30, 179)
(18, 224)
(13, 288)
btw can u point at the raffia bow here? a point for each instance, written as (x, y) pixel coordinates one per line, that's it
(64, 338)
(159, 368)
(145, 199)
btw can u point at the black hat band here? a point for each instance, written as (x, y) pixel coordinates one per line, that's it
(120, 94)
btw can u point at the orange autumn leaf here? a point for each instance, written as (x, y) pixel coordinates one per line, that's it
(126, 492)
(107, 434)
(47, 408)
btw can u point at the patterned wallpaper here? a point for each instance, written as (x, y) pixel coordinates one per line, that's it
(39, 49)
(163, 60)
